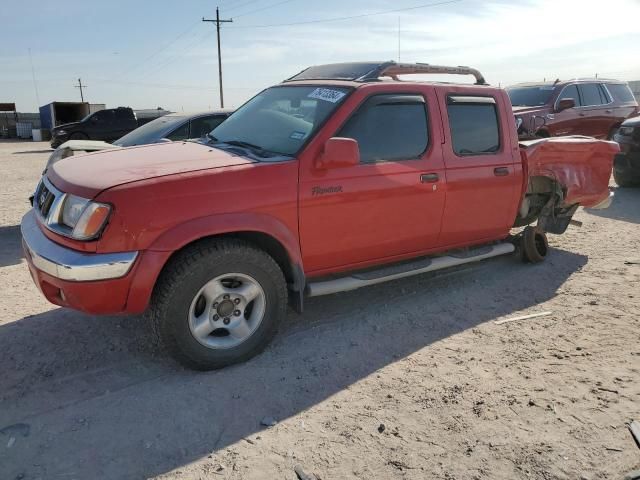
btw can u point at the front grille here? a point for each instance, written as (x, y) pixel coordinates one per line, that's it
(43, 200)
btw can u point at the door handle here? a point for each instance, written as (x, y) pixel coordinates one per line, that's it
(608, 111)
(429, 177)
(501, 171)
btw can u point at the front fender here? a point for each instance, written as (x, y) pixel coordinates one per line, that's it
(159, 253)
(195, 229)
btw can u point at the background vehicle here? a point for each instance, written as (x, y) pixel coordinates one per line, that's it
(330, 181)
(592, 107)
(173, 126)
(626, 165)
(108, 124)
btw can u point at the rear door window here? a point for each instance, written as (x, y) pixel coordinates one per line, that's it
(474, 125)
(590, 93)
(389, 128)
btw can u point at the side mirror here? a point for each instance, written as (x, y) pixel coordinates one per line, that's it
(339, 152)
(565, 103)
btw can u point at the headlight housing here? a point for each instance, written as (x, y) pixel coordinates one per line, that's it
(60, 132)
(85, 218)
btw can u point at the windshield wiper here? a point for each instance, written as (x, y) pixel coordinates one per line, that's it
(258, 150)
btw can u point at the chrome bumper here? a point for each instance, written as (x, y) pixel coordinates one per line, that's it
(67, 264)
(604, 204)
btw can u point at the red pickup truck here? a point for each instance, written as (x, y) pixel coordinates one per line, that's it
(341, 176)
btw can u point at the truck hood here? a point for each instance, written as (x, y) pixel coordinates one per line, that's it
(88, 175)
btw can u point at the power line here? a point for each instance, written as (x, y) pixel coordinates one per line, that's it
(156, 52)
(235, 7)
(351, 17)
(262, 8)
(169, 86)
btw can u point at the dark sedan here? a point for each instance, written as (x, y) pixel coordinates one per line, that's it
(626, 166)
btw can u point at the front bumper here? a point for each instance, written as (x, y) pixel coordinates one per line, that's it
(91, 282)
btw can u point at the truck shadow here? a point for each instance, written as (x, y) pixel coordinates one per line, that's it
(10, 245)
(625, 206)
(88, 395)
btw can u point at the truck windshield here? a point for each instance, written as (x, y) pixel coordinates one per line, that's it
(151, 132)
(279, 120)
(530, 96)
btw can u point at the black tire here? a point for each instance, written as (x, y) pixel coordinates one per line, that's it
(183, 278)
(623, 181)
(534, 245)
(78, 136)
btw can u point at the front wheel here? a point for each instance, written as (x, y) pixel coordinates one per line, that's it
(218, 303)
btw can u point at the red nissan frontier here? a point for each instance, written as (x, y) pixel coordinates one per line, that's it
(342, 176)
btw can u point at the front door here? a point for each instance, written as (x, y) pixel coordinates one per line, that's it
(390, 204)
(482, 178)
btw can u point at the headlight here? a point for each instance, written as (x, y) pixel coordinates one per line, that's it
(518, 123)
(85, 218)
(60, 132)
(626, 130)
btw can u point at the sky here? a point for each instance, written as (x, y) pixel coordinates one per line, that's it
(148, 54)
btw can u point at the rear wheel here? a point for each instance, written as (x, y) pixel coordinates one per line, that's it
(218, 303)
(534, 245)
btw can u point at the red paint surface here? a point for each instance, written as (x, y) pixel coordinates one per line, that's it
(581, 165)
(166, 196)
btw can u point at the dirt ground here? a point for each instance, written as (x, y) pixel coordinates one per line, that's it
(459, 396)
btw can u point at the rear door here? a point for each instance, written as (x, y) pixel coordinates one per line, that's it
(388, 206)
(481, 176)
(597, 114)
(571, 120)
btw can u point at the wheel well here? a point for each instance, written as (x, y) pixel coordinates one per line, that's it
(540, 190)
(292, 273)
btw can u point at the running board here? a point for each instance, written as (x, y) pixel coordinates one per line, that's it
(393, 272)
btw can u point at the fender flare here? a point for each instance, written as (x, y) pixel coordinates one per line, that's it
(228, 223)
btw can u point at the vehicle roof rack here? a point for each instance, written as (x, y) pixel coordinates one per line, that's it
(372, 71)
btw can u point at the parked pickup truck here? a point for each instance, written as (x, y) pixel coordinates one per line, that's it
(340, 177)
(108, 125)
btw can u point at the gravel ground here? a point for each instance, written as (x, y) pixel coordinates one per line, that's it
(412, 379)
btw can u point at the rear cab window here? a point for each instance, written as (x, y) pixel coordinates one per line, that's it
(474, 125)
(389, 127)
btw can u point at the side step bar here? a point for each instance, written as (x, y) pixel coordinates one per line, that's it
(393, 272)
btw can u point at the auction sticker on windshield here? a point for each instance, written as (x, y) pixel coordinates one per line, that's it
(327, 94)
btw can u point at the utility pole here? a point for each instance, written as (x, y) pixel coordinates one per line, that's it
(81, 86)
(217, 21)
